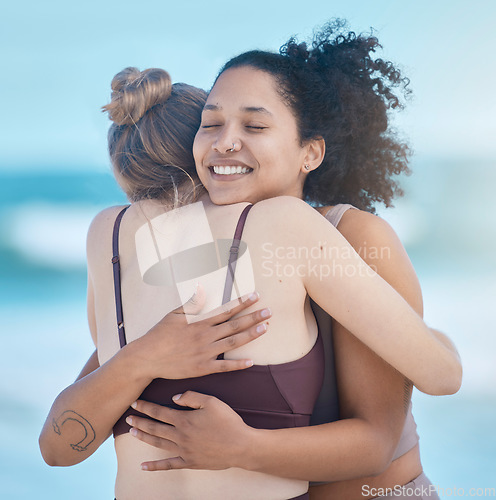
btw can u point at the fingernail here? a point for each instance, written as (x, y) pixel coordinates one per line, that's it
(253, 296)
(176, 397)
(129, 420)
(134, 431)
(261, 328)
(249, 363)
(134, 405)
(265, 313)
(144, 467)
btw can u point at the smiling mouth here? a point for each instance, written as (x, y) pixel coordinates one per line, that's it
(230, 170)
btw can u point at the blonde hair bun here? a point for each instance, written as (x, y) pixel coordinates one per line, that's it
(134, 92)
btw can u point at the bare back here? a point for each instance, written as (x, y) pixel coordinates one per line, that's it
(264, 266)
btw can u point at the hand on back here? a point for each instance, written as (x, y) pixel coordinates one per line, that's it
(181, 345)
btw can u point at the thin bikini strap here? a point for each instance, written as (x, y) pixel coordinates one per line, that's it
(233, 255)
(117, 278)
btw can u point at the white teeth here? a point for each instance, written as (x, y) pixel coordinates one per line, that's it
(231, 170)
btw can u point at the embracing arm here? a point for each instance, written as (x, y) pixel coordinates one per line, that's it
(379, 246)
(82, 416)
(373, 311)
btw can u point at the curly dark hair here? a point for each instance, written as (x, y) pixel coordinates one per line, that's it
(338, 91)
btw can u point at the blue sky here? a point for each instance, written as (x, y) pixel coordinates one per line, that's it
(59, 57)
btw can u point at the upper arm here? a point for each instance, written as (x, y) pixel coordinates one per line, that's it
(343, 284)
(379, 246)
(341, 280)
(91, 365)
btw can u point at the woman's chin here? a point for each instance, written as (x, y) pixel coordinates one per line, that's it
(227, 198)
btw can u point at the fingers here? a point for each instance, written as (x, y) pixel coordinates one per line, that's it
(249, 328)
(227, 311)
(242, 323)
(168, 464)
(151, 428)
(152, 440)
(234, 341)
(229, 365)
(157, 412)
(192, 399)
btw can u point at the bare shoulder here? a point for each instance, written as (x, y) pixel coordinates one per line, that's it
(364, 230)
(291, 222)
(380, 247)
(285, 210)
(100, 230)
(281, 203)
(360, 226)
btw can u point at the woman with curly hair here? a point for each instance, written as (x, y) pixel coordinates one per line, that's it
(261, 138)
(339, 96)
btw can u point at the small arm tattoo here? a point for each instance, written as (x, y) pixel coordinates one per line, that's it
(89, 432)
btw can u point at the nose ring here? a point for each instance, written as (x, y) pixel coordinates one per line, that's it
(232, 149)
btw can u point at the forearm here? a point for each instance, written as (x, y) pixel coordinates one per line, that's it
(330, 452)
(369, 307)
(450, 378)
(82, 416)
(393, 330)
(423, 355)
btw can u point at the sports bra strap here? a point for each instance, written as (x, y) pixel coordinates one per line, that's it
(117, 278)
(233, 255)
(334, 214)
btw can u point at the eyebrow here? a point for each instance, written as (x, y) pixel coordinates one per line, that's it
(252, 109)
(211, 107)
(248, 109)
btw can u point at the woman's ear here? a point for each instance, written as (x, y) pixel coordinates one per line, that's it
(314, 155)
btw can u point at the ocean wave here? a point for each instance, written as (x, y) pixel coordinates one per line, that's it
(49, 235)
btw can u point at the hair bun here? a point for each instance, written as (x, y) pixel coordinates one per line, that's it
(134, 92)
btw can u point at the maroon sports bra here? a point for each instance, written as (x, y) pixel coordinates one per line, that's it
(265, 396)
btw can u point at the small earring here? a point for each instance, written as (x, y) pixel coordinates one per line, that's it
(307, 167)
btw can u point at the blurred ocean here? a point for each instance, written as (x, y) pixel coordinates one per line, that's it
(446, 220)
